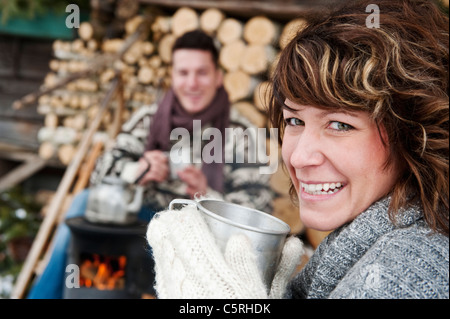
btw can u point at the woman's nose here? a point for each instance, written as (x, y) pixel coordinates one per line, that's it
(308, 150)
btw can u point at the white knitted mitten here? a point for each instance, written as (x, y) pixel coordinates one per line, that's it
(188, 263)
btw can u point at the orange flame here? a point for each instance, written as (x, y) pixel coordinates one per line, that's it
(103, 273)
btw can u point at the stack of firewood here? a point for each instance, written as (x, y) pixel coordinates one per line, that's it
(248, 53)
(248, 50)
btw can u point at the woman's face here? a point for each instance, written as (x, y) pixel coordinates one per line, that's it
(336, 161)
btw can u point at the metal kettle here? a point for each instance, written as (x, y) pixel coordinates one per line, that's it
(112, 201)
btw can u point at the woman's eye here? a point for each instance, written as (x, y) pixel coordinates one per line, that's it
(292, 121)
(339, 126)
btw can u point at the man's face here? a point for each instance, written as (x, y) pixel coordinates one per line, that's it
(195, 78)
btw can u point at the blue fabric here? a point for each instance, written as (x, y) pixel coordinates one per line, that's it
(50, 284)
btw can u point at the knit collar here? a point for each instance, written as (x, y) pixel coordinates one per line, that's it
(346, 245)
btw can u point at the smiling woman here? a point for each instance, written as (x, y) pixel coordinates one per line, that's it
(363, 114)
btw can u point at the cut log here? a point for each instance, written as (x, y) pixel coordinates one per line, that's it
(86, 84)
(86, 31)
(77, 46)
(58, 45)
(290, 30)
(51, 79)
(184, 19)
(112, 45)
(142, 61)
(161, 25)
(99, 30)
(249, 111)
(106, 76)
(146, 75)
(135, 52)
(261, 96)
(45, 134)
(132, 24)
(65, 153)
(230, 30)
(231, 54)
(74, 102)
(261, 30)
(75, 66)
(54, 65)
(51, 120)
(256, 58)
(210, 19)
(44, 99)
(147, 48)
(77, 122)
(65, 135)
(92, 45)
(239, 85)
(165, 47)
(155, 61)
(47, 150)
(85, 101)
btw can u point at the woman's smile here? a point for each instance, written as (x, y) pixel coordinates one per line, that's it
(321, 188)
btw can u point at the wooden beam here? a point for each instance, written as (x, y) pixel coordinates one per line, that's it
(31, 165)
(276, 9)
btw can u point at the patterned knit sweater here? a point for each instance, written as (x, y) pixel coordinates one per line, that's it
(244, 184)
(373, 258)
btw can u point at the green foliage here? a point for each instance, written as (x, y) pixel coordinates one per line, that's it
(19, 219)
(29, 9)
(18, 215)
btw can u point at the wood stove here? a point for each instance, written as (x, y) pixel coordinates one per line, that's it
(114, 261)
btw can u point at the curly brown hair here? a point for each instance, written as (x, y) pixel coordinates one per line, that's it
(397, 72)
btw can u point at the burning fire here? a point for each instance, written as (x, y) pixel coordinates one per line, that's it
(103, 272)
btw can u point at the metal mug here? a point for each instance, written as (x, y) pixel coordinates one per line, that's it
(266, 233)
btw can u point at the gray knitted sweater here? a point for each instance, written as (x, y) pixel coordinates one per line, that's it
(373, 258)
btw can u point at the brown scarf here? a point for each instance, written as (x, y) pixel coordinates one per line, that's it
(171, 114)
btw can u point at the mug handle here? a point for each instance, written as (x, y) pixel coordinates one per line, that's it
(182, 201)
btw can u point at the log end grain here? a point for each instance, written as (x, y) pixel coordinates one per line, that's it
(230, 30)
(184, 19)
(261, 30)
(210, 20)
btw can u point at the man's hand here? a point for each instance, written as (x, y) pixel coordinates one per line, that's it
(196, 181)
(159, 167)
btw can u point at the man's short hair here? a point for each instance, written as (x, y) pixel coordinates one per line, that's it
(199, 40)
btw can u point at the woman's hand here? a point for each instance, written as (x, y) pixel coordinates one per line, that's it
(189, 264)
(196, 181)
(159, 167)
